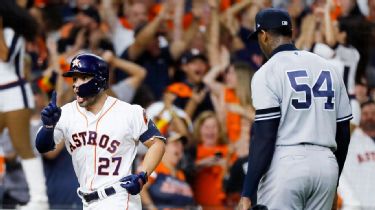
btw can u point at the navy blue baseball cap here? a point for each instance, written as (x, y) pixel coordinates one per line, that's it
(192, 54)
(271, 18)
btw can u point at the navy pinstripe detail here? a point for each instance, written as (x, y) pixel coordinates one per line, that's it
(344, 117)
(12, 46)
(348, 117)
(267, 111)
(268, 117)
(22, 86)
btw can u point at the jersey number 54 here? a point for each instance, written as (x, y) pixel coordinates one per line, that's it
(315, 91)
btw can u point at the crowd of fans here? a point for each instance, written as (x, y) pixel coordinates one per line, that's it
(190, 64)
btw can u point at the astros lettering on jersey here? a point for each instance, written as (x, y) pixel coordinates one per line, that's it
(102, 146)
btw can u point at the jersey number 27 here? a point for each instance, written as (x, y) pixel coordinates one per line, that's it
(315, 91)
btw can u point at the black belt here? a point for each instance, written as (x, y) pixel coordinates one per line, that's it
(95, 195)
(12, 84)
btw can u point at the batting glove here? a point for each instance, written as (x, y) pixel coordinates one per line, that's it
(51, 113)
(134, 183)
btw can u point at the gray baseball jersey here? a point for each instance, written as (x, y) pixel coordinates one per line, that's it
(310, 93)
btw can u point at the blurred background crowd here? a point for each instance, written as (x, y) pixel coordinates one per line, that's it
(189, 64)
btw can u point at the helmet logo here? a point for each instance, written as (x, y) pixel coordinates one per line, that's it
(76, 63)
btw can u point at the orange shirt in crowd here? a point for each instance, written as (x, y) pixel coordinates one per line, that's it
(2, 165)
(233, 120)
(125, 23)
(208, 184)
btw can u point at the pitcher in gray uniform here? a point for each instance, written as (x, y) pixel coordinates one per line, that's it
(300, 136)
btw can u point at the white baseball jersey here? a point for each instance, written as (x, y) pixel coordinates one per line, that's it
(306, 93)
(357, 184)
(103, 146)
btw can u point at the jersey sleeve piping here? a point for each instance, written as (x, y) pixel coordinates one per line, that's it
(266, 114)
(348, 117)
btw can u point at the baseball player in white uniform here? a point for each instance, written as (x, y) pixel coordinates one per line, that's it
(101, 133)
(357, 184)
(301, 131)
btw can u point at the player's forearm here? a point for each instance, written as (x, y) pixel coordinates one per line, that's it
(44, 140)
(54, 153)
(263, 141)
(342, 141)
(153, 156)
